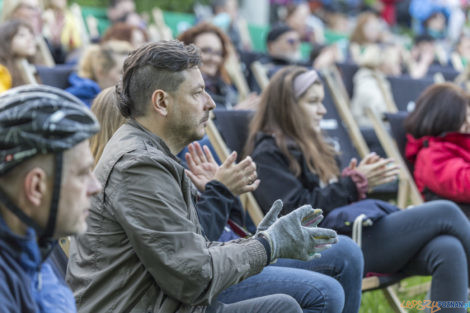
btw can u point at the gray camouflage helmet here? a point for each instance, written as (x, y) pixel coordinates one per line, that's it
(38, 119)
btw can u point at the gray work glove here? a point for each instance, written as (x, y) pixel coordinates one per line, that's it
(295, 235)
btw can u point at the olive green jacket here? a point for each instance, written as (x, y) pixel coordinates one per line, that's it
(144, 250)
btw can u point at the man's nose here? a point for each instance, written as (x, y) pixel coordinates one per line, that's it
(95, 186)
(210, 104)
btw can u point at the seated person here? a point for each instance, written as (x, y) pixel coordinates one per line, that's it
(300, 18)
(218, 187)
(431, 17)
(461, 54)
(46, 185)
(30, 11)
(118, 9)
(438, 144)
(216, 49)
(145, 223)
(422, 56)
(16, 42)
(283, 47)
(61, 28)
(228, 18)
(371, 87)
(99, 68)
(134, 35)
(295, 164)
(106, 110)
(370, 30)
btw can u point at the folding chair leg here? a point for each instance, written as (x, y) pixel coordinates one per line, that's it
(393, 299)
(402, 193)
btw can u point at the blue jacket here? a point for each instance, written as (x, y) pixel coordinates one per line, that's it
(83, 88)
(26, 284)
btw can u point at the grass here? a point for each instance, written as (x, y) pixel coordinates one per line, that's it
(374, 301)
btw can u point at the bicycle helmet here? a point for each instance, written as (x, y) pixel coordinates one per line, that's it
(37, 119)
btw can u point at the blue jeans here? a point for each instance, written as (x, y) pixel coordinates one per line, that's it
(277, 303)
(430, 239)
(321, 285)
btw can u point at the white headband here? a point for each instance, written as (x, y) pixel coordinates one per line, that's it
(303, 82)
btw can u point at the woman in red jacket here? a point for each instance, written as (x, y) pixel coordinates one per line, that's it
(439, 144)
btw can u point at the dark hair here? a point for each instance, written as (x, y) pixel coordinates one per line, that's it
(280, 114)
(8, 30)
(217, 4)
(122, 31)
(277, 31)
(114, 3)
(439, 109)
(157, 65)
(423, 38)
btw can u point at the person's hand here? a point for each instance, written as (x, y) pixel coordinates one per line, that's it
(201, 164)
(377, 170)
(238, 178)
(371, 158)
(296, 235)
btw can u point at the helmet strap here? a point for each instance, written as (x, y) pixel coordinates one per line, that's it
(51, 223)
(44, 234)
(18, 212)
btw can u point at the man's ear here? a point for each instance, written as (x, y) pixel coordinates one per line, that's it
(160, 102)
(35, 186)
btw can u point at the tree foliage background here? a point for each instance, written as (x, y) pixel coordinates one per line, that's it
(147, 5)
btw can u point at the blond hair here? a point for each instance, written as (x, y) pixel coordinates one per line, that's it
(106, 111)
(98, 58)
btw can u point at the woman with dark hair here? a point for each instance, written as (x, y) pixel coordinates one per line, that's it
(16, 42)
(438, 144)
(297, 165)
(216, 48)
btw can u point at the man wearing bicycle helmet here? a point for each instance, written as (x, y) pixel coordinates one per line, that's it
(46, 182)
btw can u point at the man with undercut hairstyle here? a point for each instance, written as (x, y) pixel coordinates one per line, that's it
(144, 250)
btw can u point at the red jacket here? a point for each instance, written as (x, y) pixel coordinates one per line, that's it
(442, 165)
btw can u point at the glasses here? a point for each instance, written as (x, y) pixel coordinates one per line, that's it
(208, 50)
(293, 41)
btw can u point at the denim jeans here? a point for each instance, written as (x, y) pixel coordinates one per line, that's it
(321, 285)
(430, 239)
(276, 303)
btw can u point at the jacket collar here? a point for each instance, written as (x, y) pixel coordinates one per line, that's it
(414, 145)
(24, 249)
(153, 139)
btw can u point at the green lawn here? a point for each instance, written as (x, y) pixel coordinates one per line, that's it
(374, 301)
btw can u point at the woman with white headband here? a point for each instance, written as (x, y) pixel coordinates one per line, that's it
(296, 164)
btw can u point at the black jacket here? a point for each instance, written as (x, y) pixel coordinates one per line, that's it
(278, 182)
(215, 206)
